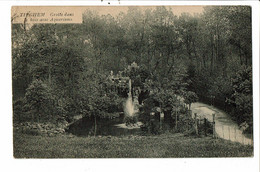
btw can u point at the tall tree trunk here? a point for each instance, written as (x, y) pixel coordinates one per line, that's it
(32, 117)
(196, 56)
(95, 130)
(212, 56)
(217, 43)
(49, 71)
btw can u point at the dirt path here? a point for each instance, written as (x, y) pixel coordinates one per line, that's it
(225, 127)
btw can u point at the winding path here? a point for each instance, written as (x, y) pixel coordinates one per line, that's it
(225, 127)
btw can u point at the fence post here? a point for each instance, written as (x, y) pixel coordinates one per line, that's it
(205, 126)
(251, 138)
(223, 131)
(190, 111)
(196, 123)
(235, 134)
(214, 132)
(161, 119)
(199, 118)
(176, 119)
(229, 133)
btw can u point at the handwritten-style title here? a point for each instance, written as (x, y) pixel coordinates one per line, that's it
(47, 17)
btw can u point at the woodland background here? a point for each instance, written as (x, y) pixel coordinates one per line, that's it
(62, 70)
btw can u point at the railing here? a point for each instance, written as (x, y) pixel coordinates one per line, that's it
(210, 126)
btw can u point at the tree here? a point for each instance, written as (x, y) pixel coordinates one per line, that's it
(99, 102)
(190, 97)
(39, 101)
(242, 95)
(187, 26)
(241, 31)
(196, 53)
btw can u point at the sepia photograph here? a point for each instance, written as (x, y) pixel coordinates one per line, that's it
(132, 81)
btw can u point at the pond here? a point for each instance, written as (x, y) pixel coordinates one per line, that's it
(105, 127)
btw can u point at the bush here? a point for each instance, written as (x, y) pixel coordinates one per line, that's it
(39, 102)
(185, 122)
(242, 97)
(33, 132)
(50, 129)
(154, 127)
(167, 100)
(130, 120)
(190, 97)
(18, 110)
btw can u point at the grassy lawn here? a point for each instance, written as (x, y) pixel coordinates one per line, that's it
(162, 146)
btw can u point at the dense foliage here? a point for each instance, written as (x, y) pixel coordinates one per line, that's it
(206, 55)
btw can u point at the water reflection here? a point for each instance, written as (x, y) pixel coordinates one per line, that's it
(105, 127)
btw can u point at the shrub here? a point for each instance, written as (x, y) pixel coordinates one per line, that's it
(242, 95)
(159, 101)
(18, 110)
(39, 102)
(130, 120)
(190, 97)
(33, 132)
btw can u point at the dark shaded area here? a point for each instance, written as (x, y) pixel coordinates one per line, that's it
(143, 95)
(105, 127)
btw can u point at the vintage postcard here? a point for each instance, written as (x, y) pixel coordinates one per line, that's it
(132, 81)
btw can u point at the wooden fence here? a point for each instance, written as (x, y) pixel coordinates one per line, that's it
(204, 126)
